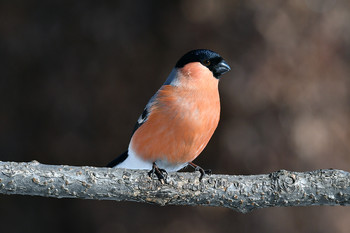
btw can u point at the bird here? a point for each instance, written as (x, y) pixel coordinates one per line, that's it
(179, 119)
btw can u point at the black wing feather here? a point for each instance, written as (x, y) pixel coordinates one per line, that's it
(142, 119)
(118, 160)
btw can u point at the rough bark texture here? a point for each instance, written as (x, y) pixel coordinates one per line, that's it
(241, 193)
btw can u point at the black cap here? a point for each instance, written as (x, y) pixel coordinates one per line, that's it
(208, 58)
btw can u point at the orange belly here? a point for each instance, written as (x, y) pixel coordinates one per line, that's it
(179, 127)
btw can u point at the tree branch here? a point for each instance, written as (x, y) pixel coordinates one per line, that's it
(241, 193)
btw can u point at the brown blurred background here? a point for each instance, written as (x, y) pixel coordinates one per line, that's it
(75, 75)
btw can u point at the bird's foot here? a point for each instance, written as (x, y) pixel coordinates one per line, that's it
(201, 170)
(160, 173)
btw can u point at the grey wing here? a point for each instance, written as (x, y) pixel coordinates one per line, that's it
(144, 116)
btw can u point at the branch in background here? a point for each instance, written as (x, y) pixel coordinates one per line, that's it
(241, 193)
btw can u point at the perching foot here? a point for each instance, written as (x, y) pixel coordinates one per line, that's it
(160, 173)
(201, 170)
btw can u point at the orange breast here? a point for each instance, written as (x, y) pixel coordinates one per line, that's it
(181, 122)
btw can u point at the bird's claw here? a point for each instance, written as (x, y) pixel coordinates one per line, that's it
(160, 173)
(201, 170)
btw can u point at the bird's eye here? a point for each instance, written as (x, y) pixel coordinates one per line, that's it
(206, 62)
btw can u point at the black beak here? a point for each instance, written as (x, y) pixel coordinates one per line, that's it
(221, 68)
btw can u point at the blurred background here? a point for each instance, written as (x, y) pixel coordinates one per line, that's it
(75, 75)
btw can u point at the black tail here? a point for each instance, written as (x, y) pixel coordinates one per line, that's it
(118, 160)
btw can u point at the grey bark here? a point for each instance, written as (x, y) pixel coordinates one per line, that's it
(241, 193)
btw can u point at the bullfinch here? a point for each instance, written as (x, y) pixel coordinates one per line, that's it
(179, 120)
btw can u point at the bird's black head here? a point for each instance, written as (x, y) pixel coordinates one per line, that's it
(208, 58)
